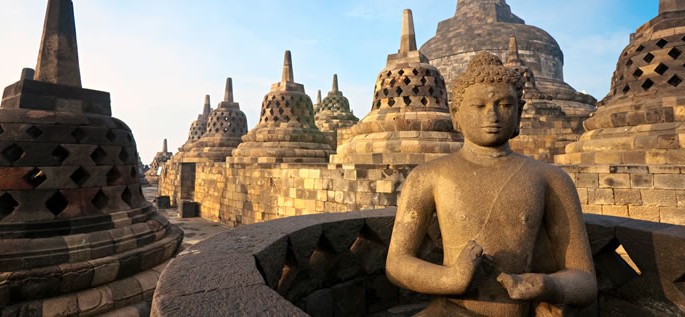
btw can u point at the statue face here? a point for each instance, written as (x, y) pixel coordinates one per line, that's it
(488, 115)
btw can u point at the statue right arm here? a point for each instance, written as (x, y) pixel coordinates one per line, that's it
(403, 267)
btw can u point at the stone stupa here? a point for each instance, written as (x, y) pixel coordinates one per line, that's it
(554, 110)
(77, 237)
(333, 113)
(286, 132)
(225, 126)
(152, 175)
(635, 141)
(409, 122)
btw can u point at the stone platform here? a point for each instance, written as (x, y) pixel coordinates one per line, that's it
(333, 265)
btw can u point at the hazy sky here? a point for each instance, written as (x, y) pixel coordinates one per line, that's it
(158, 58)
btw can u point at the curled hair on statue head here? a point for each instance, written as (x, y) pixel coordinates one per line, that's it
(486, 68)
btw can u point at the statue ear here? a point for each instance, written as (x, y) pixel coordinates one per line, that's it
(455, 122)
(518, 123)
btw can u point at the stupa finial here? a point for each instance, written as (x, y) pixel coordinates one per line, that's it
(208, 106)
(671, 5)
(513, 58)
(228, 95)
(288, 68)
(164, 147)
(408, 39)
(58, 55)
(335, 83)
(318, 97)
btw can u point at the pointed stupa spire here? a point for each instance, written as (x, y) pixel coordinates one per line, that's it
(28, 73)
(228, 95)
(58, 55)
(671, 5)
(408, 39)
(287, 68)
(164, 147)
(318, 97)
(335, 83)
(208, 106)
(513, 58)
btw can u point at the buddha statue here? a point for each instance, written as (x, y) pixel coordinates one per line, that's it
(513, 236)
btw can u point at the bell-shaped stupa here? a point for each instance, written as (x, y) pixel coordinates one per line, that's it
(77, 237)
(286, 132)
(489, 25)
(225, 126)
(642, 119)
(152, 175)
(334, 112)
(409, 122)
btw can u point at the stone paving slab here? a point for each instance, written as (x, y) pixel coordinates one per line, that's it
(195, 229)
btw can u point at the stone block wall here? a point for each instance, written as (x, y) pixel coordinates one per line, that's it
(647, 192)
(543, 137)
(241, 193)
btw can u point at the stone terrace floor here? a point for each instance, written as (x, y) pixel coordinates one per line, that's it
(195, 229)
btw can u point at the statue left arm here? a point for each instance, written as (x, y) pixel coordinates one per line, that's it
(575, 282)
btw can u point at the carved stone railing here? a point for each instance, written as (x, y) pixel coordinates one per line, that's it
(333, 264)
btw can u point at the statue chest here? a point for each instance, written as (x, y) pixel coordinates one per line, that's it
(501, 209)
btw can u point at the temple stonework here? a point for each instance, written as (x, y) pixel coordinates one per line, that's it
(333, 112)
(152, 174)
(286, 131)
(629, 161)
(225, 126)
(409, 121)
(554, 110)
(77, 236)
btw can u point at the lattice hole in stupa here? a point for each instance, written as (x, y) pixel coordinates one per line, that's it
(661, 69)
(80, 176)
(78, 134)
(34, 132)
(100, 200)
(35, 177)
(56, 203)
(60, 154)
(648, 83)
(7, 205)
(12, 153)
(98, 155)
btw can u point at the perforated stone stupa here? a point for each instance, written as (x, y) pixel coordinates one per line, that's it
(409, 122)
(286, 132)
(334, 112)
(488, 25)
(635, 139)
(152, 175)
(225, 126)
(77, 237)
(199, 126)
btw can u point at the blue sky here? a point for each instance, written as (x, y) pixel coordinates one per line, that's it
(158, 58)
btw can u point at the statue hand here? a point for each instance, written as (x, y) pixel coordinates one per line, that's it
(524, 286)
(466, 264)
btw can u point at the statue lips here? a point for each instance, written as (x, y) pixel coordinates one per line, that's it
(492, 129)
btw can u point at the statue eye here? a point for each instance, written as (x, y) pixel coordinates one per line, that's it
(477, 105)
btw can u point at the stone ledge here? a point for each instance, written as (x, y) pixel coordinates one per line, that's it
(248, 270)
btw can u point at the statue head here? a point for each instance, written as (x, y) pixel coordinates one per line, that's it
(487, 103)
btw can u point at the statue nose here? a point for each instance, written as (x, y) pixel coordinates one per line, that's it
(492, 114)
